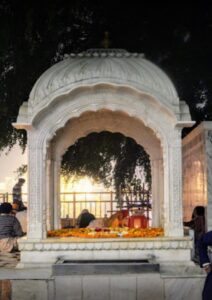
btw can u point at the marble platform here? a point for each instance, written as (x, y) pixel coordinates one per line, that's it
(160, 250)
(170, 283)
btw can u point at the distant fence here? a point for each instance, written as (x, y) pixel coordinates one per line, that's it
(98, 203)
(7, 197)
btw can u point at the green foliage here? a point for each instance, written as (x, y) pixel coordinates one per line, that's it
(34, 35)
(109, 158)
(21, 170)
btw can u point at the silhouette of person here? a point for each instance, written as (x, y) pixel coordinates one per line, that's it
(197, 223)
(17, 193)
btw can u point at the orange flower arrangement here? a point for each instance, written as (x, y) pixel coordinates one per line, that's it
(107, 232)
(144, 232)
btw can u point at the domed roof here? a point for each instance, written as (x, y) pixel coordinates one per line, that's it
(113, 66)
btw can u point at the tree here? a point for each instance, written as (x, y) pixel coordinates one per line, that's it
(110, 158)
(29, 47)
(34, 35)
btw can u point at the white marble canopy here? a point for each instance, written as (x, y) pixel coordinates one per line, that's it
(113, 90)
(114, 67)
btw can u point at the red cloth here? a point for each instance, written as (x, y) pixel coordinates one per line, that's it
(138, 222)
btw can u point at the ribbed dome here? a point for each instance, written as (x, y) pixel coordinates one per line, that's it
(113, 66)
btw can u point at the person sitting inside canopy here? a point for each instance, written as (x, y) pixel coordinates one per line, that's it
(84, 219)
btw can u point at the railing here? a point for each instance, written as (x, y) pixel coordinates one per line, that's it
(100, 204)
(7, 197)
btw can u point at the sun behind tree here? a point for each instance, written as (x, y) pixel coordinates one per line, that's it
(108, 158)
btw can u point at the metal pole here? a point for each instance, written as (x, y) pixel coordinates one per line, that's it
(74, 208)
(111, 201)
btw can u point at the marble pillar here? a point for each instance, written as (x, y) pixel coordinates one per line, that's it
(157, 191)
(173, 186)
(57, 204)
(36, 189)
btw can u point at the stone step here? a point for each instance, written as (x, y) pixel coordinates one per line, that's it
(91, 267)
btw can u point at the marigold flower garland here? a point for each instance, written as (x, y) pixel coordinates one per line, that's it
(107, 232)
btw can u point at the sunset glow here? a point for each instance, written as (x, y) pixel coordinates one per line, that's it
(85, 184)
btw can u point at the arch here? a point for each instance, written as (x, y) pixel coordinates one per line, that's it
(106, 120)
(150, 114)
(112, 121)
(105, 96)
(138, 106)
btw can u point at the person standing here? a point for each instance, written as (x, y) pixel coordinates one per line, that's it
(197, 223)
(17, 193)
(205, 263)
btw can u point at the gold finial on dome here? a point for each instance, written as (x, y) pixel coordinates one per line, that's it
(106, 40)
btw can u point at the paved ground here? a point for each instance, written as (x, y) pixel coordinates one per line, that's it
(5, 290)
(7, 261)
